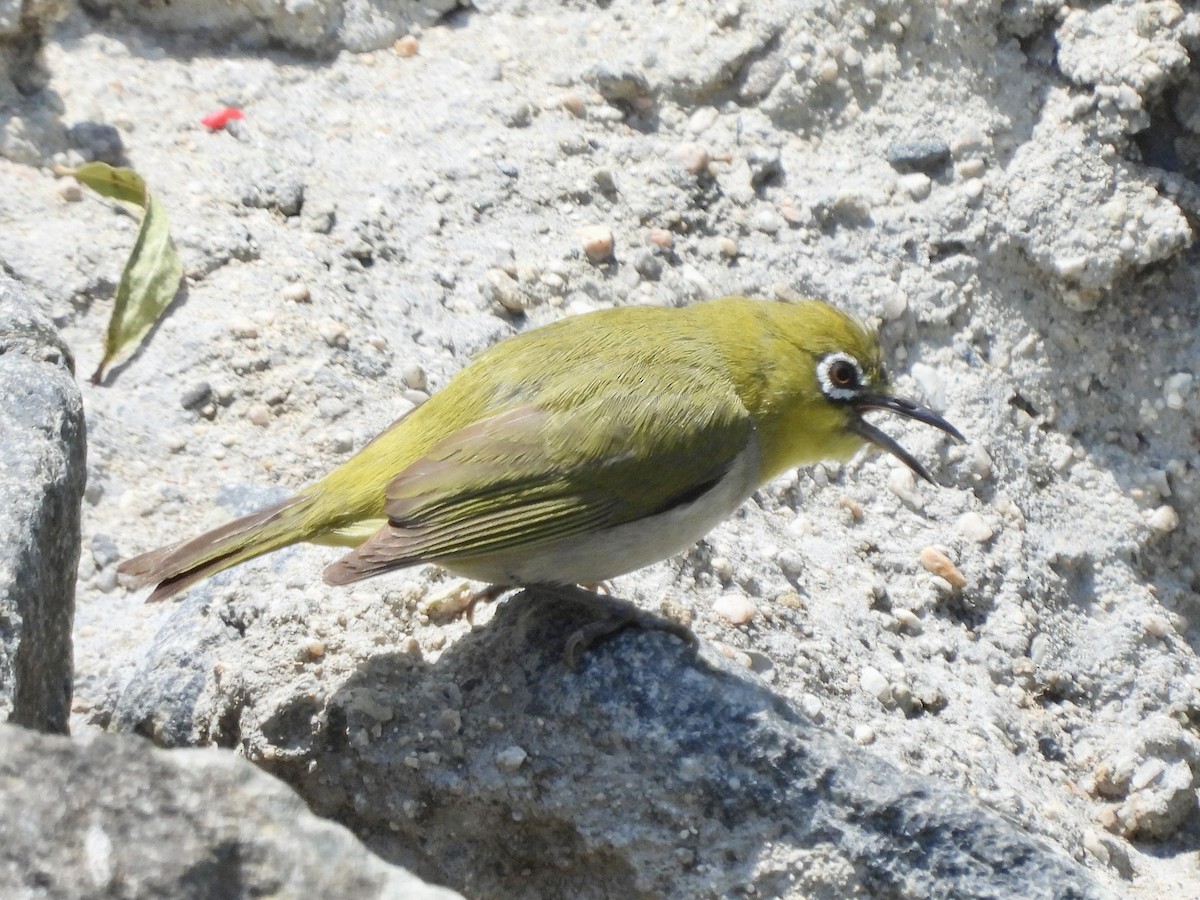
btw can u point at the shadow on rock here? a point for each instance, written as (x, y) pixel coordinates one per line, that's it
(648, 772)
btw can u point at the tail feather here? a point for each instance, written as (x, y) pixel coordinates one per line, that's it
(178, 566)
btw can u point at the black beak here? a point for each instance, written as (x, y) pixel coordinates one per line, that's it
(909, 410)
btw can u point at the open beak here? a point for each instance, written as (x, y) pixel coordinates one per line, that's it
(909, 410)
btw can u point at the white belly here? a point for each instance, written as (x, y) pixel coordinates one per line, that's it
(593, 558)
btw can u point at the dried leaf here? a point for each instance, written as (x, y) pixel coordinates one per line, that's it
(152, 272)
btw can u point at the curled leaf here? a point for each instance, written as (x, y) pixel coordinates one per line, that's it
(152, 272)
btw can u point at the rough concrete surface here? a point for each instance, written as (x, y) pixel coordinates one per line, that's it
(1010, 189)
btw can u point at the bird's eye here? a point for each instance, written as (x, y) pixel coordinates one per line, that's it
(843, 374)
(840, 376)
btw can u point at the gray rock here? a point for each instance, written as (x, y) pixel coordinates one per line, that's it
(42, 443)
(500, 771)
(928, 155)
(322, 27)
(98, 141)
(114, 817)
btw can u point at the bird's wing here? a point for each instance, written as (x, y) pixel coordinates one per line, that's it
(529, 476)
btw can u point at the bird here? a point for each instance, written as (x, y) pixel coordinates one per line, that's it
(582, 450)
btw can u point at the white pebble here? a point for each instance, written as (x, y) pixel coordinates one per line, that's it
(864, 734)
(511, 758)
(242, 327)
(333, 333)
(693, 157)
(875, 684)
(1163, 519)
(414, 377)
(811, 706)
(1176, 389)
(767, 221)
(722, 568)
(908, 620)
(894, 305)
(1157, 626)
(735, 609)
(974, 527)
(259, 414)
(503, 288)
(932, 385)
(296, 292)
(903, 484)
(1147, 773)
(980, 462)
(916, 184)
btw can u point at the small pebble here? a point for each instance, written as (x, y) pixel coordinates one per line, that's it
(903, 484)
(1176, 389)
(504, 290)
(106, 581)
(416, 398)
(333, 333)
(597, 241)
(767, 221)
(932, 384)
(341, 441)
(511, 758)
(916, 184)
(414, 377)
(648, 265)
(971, 168)
(875, 684)
(864, 734)
(722, 568)
(573, 103)
(811, 706)
(702, 119)
(727, 247)
(938, 563)
(1164, 519)
(1157, 626)
(974, 527)
(69, 191)
(735, 609)
(332, 408)
(314, 648)
(406, 46)
(907, 620)
(693, 157)
(259, 414)
(196, 396)
(296, 292)
(661, 238)
(894, 305)
(924, 155)
(242, 327)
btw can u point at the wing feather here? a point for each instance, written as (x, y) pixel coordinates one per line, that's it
(529, 476)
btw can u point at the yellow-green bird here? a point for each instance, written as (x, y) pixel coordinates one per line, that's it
(582, 450)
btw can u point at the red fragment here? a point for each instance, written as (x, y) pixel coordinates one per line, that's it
(218, 120)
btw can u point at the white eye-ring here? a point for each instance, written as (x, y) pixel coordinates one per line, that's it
(840, 376)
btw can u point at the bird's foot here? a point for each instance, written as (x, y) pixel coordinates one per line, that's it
(613, 616)
(461, 601)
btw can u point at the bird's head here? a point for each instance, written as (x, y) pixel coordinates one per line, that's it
(831, 375)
